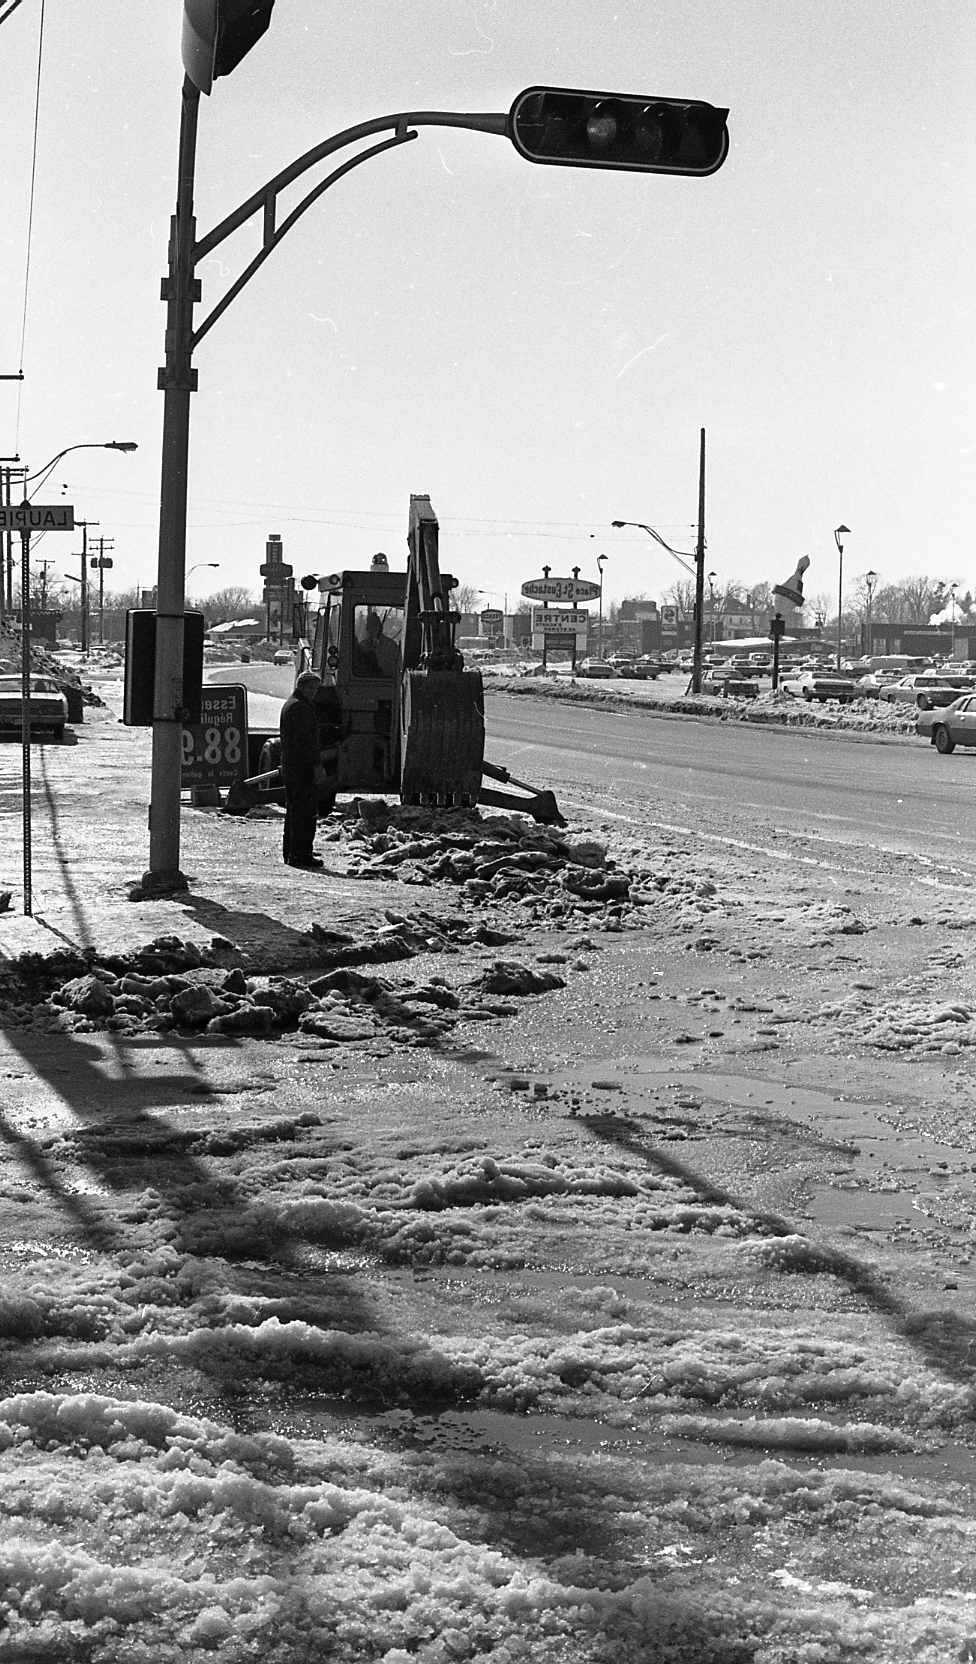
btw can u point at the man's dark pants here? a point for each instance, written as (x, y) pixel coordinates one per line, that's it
(301, 810)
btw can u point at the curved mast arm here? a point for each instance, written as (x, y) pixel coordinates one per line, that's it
(264, 201)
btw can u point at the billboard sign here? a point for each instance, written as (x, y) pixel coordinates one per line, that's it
(669, 618)
(215, 749)
(575, 621)
(560, 589)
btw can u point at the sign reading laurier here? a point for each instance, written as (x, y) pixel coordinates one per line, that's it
(37, 517)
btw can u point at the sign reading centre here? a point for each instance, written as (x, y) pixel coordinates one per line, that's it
(37, 517)
(560, 589)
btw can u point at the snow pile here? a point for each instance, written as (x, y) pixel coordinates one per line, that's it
(502, 858)
(915, 1024)
(788, 1433)
(863, 715)
(175, 986)
(171, 1548)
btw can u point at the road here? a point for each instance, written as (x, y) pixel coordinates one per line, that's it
(843, 799)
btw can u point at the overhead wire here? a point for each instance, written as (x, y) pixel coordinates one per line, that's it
(30, 212)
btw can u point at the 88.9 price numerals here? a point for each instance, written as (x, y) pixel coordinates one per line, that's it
(221, 747)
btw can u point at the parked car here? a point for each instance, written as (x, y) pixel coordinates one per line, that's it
(643, 669)
(597, 667)
(48, 706)
(820, 685)
(953, 725)
(925, 690)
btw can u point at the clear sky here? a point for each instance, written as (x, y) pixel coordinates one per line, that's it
(536, 348)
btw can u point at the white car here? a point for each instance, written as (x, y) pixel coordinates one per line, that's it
(821, 685)
(596, 667)
(48, 706)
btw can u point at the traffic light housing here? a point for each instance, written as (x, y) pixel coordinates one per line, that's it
(140, 667)
(619, 130)
(217, 34)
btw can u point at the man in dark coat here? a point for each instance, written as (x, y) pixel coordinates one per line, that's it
(302, 771)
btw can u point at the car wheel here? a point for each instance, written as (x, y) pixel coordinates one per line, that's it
(923, 702)
(59, 734)
(808, 696)
(943, 741)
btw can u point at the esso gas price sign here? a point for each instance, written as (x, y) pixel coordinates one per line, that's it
(215, 749)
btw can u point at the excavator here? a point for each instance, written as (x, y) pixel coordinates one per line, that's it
(412, 717)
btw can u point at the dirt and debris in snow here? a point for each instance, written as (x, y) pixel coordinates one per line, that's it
(628, 1317)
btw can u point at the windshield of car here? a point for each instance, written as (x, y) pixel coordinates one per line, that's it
(38, 684)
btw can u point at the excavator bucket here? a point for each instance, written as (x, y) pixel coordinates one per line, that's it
(542, 806)
(442, 737)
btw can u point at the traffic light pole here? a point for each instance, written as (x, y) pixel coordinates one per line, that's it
(181, 291)
(177, 379)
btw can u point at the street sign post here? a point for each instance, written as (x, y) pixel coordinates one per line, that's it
(560, 589)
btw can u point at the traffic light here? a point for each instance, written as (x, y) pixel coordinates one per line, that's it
(217, 34)
(618, 130)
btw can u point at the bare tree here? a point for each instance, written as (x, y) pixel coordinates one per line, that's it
(231, 602)
(921, 597)
(681, 594)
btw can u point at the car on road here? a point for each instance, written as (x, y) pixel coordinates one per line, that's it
(282, 656)
(925, 690)
(820, 685)
(597, 667)
(48, 706)
(953, 725)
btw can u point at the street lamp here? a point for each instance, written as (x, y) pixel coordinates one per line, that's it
(952, 597)
(200, 563)
(697, 571)
(600, 559)
(25, 630)
(711, 602)
(87, 445)
(870, 579)
(840, 531)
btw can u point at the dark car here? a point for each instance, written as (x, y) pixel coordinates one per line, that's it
(643, 669)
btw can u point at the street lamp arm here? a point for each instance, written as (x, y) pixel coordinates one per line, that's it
(265, 200)
(85, 445)
(658, 539)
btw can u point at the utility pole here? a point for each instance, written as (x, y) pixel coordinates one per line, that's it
(44, 564)
(102, 563)
(6, 541)
(696, 669)
(83, 557)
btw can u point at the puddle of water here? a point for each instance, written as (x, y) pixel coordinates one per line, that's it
(506, 1436)
(910, 1162)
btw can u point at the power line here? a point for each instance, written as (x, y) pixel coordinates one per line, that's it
(30, 213)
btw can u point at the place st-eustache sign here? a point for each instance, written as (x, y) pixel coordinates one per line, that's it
(560, 589)
(37, 517)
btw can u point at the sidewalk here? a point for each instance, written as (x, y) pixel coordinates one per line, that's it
(90, 844)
